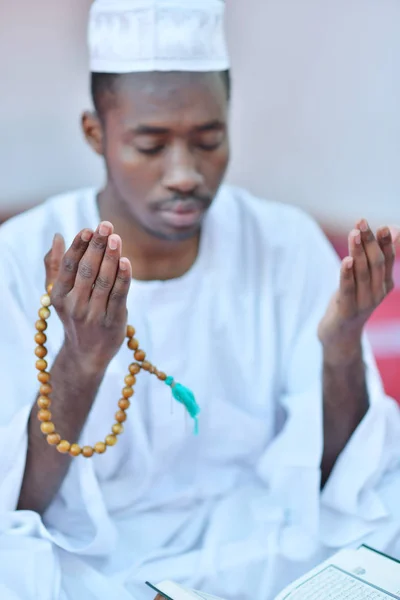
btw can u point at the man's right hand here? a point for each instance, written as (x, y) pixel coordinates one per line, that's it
(90, 287)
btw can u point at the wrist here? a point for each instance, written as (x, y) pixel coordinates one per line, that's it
(84, 366)
(343, 352)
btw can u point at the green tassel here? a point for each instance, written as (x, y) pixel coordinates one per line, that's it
(186, 397)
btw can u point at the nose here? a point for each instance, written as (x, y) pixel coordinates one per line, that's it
(181, 175)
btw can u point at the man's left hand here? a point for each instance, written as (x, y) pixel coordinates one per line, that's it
(366, 278)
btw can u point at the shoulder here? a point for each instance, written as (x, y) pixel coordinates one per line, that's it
(274, 224)
(30, 234)
(262, 239)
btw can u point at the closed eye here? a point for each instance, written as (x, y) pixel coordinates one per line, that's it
(209, 147)
(151, 151)
(210, 140)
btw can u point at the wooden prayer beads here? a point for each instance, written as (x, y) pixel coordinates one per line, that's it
(44, 415)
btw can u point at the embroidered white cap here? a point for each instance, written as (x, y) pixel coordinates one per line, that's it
(128, 36)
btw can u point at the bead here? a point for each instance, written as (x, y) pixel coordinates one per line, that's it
(111, 440)
(100, 447)
(134, 369)
(117, 429)
(40, 338)
(127, 392)
(45, 389)
(133, 344)
(41, 364)
(43, 377)
(124, 404)
(120, 416)
(53, 439)
(45, 300)
(48, 428)
(140, 355)
(41, 325)
(87, 451)
(64, 447)
(43, 402)
(75, 450)
(40, 351)
(44, 313)
(130, 331)
(44, 415)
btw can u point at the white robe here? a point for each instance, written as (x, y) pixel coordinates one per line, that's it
(237, 510)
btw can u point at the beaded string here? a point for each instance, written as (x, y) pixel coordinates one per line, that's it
(181, 394)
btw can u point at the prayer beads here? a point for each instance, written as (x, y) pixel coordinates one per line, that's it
(44, 415)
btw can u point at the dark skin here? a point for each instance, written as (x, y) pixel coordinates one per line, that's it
(164, 140)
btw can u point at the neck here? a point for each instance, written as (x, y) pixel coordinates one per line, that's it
(151, 258)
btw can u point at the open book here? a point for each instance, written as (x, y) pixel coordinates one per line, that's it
(356, 574)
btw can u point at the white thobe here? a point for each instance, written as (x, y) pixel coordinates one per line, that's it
(236, 510)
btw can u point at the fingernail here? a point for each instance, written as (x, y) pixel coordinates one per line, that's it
(123, 264)
(355, 234)
(348, 262)
(86, 236)
(104, 228)
(113, 242)
(364, 226)
(385, 233)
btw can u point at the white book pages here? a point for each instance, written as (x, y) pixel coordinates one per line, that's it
(350, 575)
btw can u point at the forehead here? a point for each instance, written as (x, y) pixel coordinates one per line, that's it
(170, 99)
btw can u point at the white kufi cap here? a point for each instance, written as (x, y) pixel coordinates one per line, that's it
(130, 36)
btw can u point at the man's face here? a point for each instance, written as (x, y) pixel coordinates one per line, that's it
(165, 143)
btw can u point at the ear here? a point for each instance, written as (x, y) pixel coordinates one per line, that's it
(93, 131)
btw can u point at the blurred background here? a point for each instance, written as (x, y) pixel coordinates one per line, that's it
(315, 114)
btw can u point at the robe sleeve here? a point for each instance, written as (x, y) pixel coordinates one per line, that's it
(18, 374)
(352, 504)
(19, 390)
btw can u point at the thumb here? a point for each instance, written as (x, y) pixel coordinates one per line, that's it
(53, 258)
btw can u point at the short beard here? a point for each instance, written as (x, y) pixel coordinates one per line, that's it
(178, 236)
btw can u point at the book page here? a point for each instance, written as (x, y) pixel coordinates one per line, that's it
(204, 596)
(350, 575)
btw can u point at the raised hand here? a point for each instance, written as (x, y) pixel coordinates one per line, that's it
(366, 277)
(90, 287)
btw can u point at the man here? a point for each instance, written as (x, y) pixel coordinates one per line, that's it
(228, 294)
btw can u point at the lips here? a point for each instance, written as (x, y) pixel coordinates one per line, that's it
(183, 214)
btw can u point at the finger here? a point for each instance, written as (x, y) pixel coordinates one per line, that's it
(53, 258)
(361, 271)
(68, 264)
(90, 264)
(385, 241)
(106, 278)
(376, 262)
(347, 289)
(395, 233)
(116, 308)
